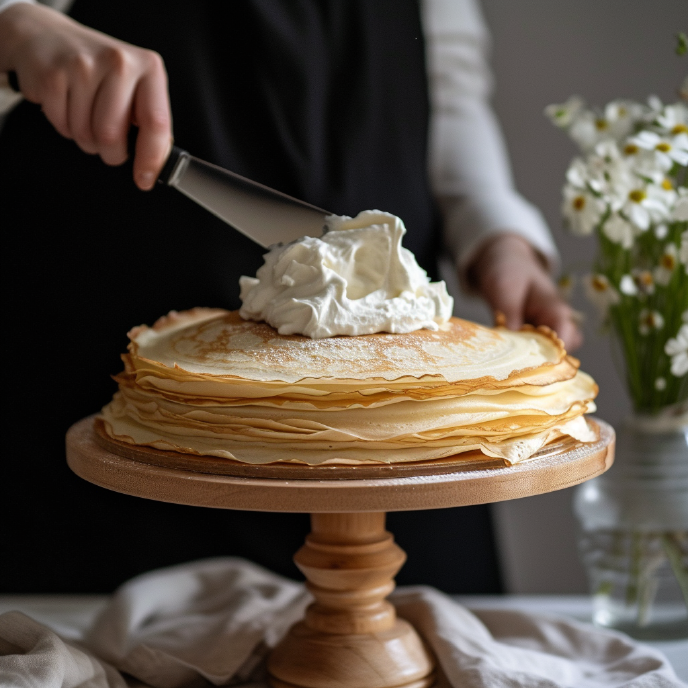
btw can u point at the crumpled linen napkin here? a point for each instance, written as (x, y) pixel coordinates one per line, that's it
(212, 622)
(33, 656)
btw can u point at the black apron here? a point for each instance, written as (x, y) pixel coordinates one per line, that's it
(325, 100)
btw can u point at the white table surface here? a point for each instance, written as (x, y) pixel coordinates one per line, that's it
(70, 614)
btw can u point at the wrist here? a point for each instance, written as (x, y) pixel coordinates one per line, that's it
(12, 21)
(20, 22)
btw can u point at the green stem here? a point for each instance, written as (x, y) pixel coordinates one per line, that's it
(672, 547)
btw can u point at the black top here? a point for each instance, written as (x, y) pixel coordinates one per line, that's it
(325, 100)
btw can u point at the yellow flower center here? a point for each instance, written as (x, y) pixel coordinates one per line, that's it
(644, 280)
(668, 261)
(679, 129)
(637, 195)
(579, 202)
(666, 184)
(622, 112)
(631, 149)
(599, 283)
(601, 124)
(651, 320)
(663, 147)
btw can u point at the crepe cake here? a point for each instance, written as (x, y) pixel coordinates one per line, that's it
(207, 382)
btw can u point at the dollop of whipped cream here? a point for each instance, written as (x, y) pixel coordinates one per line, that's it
(355, 279)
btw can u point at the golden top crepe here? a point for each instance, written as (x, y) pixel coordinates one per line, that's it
(208, 382)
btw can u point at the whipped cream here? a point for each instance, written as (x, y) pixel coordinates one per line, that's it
(355, 279)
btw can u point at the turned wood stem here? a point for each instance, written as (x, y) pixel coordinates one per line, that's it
(350, 561)
(350, 636)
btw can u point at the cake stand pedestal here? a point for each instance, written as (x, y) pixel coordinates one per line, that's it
(350, 636)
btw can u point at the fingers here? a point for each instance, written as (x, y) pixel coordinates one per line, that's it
(512, 279)
(85, 79)
(55, 105)
(152, 115)
(544, 306)
(103, 100)
(111, 115)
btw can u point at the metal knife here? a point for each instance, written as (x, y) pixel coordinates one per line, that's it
(261, 213)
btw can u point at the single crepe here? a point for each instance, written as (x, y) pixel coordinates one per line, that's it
(208, 382)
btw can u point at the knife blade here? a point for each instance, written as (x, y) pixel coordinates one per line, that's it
(263, 214)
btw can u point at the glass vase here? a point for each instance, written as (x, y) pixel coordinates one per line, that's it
(634, 532)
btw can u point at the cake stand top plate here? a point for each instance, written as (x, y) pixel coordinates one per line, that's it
(184, 479)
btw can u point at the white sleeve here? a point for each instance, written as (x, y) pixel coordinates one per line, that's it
(469, 168)
(59, 5)
(4, 4)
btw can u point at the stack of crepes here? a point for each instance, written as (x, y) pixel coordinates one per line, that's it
(208, 382)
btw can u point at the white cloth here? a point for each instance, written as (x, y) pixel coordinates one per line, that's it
(214, 621)
(467, 159)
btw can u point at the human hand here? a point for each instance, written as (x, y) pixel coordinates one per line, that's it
(91, 87)
(513, 280)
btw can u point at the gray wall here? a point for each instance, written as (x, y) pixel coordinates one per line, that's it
(544, 51)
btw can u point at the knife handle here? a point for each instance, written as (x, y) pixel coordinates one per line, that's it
(168, 168)
(13, 81)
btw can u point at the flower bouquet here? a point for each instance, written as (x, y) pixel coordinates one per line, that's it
(629, 188)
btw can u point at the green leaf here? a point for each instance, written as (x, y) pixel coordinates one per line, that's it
(681, 44)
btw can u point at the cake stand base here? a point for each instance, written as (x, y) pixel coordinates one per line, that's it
(350, 635)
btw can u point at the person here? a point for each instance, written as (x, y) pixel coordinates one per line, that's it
(346, 104)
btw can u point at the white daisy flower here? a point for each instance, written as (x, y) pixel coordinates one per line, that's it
(644, 164)
(578, 174)
(619, 230)
(647, 204)
(661, 231)
(621, 116)
(564, 114)
(609, 172)
(650, 320)
(655, 104)
(627, 286)
(683, 251)
(680, 211)
(601, 292)
(674, 118)
(644, 281)
(660, 384)
(565, 285)
(581, 210)
(668, 262)
(667, 150)
(677, 349)
(683, 89)
(589, 128)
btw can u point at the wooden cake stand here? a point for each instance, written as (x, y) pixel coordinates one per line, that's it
(350, 636)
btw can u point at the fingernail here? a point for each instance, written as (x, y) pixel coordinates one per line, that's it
(146, 180)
